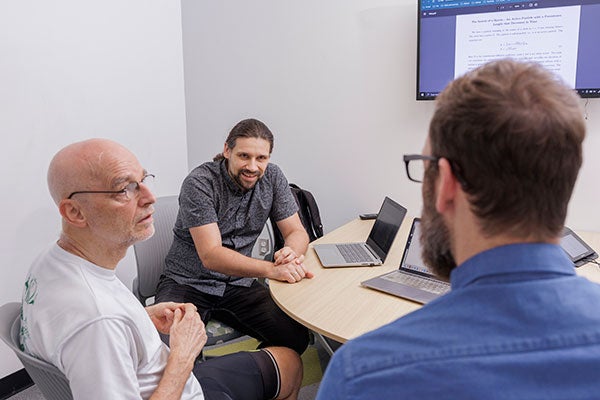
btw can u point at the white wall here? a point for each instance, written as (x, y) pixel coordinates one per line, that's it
(75, 69)
(335, 81)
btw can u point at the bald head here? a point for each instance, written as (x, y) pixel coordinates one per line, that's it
(106, 206)
(82, 166)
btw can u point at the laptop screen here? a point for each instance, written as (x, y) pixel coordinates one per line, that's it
(411, 260)
(386, 227)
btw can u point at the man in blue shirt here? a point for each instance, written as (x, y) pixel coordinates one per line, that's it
(499, 165)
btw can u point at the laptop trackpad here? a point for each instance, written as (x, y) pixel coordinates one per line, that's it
(330, 253)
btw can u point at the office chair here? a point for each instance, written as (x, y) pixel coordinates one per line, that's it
(150, 259)
(52, 383)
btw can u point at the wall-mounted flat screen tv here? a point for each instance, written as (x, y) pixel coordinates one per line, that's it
(456, 36)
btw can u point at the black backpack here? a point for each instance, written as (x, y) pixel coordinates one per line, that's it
(308, 211)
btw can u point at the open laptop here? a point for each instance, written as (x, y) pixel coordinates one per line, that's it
(412, 280)
(372, 252)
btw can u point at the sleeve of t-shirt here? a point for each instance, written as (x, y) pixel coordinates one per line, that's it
(100, 362)
(284, 204)
(197, 201)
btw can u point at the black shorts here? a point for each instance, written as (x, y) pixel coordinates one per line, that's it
(247, 375)
(249, 310)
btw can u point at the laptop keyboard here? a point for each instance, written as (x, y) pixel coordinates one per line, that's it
(354, 252)
(419, 282)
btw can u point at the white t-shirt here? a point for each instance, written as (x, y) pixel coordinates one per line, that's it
(81, 318)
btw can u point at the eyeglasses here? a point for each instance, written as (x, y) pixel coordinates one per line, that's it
(130, 191)
(415, 168)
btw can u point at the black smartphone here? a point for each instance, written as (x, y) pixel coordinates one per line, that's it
(368, 216)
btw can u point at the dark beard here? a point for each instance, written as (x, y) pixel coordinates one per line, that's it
(435, 237)
(237, 178)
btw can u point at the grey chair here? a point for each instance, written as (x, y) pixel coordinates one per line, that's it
(150, 258)
(52, 383)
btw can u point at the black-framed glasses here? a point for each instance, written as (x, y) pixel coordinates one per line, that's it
(130, 191)
(415, 168)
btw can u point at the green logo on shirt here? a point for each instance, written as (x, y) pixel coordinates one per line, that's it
(30, 290)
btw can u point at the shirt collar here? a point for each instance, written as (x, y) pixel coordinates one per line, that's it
(75, 260)
(539, 258)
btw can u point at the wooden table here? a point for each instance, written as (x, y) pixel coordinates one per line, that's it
(335, 305)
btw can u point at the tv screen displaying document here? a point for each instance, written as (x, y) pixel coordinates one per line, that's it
(456, 36)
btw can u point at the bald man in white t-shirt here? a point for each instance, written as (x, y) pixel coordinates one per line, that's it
(78, 316)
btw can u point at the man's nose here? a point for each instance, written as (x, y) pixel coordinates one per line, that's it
(146, 195)
(252, 165)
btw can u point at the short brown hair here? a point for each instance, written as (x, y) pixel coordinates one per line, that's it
(515, 131)
(247, 128)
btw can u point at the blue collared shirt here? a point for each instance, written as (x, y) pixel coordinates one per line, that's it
(518, 324)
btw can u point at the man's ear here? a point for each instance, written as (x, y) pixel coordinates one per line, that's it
(226, 151)
(447, 187)
(71, 212)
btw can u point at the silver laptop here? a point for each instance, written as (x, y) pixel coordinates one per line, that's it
(372, 252)
(412, 280)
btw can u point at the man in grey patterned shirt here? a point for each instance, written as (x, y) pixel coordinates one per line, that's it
(223, 207)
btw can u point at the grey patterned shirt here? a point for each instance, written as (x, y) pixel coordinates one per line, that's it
(209, 195)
